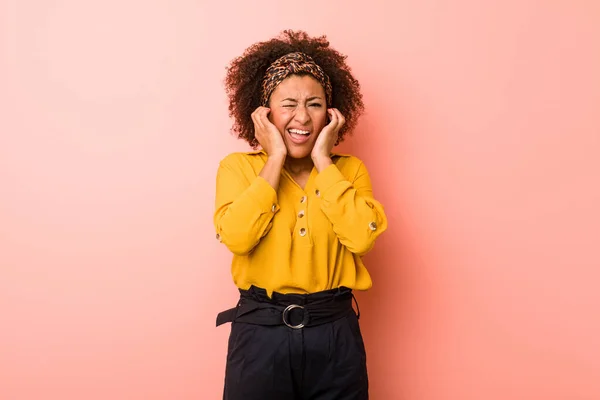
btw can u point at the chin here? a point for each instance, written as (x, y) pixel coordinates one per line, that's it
(299, 152)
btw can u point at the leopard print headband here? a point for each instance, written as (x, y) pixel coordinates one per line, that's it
(293, 63)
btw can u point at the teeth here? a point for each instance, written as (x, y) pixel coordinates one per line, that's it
(299, 132)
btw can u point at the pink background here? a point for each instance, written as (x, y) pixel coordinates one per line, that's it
(482, 137)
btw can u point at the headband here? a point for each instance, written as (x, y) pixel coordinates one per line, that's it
(293, 63)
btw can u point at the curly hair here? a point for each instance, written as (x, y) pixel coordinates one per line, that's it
(243, 82)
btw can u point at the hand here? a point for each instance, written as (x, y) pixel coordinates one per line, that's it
(267, 134)
(327, 138)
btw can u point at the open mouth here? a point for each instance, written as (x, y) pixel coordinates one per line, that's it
(298, 136)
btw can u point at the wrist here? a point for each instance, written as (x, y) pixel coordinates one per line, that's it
(278, 158)
(321, 162)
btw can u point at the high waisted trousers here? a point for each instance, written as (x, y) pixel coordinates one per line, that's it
(295, 347)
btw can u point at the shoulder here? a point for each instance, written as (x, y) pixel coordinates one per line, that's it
(350, 166)
(248, 164)
(346, 161)
(239, 159)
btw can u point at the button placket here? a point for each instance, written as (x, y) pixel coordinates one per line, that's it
(302, 231)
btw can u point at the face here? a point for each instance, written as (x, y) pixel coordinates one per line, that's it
(299, 111)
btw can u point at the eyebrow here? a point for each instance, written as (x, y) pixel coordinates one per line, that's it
(309, 99)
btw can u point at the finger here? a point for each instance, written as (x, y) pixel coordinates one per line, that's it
(257, 110)
(265, 119)
(333, 116)
(264, 112)
(261, 113)
(341, 119)
(256, 120)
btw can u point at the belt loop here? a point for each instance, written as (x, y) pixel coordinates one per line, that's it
(357, 309)
(252, 290)
(302, 299)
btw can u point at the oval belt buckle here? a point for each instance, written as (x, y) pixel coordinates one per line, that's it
(290, 308)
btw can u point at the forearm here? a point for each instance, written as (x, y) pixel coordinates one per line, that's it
(271, 172)
(356, 217)
(244, 208)
(321, 163)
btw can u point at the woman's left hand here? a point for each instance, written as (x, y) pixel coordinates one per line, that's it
(327, 138)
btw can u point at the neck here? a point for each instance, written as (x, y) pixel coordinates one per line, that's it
(296, 166)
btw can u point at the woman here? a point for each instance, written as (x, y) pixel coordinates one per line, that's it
(297, 218)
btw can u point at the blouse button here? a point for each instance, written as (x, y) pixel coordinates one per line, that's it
(273, 208)
(302, 232)
(373, 226)
(301, 214)
(218, 237)
(303, 199)
(317, 192)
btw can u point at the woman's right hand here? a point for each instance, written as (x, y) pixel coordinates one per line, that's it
(267, 134)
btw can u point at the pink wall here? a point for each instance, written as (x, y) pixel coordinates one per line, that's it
(482, 137)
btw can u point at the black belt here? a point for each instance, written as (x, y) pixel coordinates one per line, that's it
(296, 316)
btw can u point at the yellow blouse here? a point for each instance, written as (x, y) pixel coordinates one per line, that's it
(296, 240)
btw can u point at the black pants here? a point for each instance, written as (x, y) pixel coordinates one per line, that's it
(322, 362)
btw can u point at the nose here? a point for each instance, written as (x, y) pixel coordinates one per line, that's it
(301, 115)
